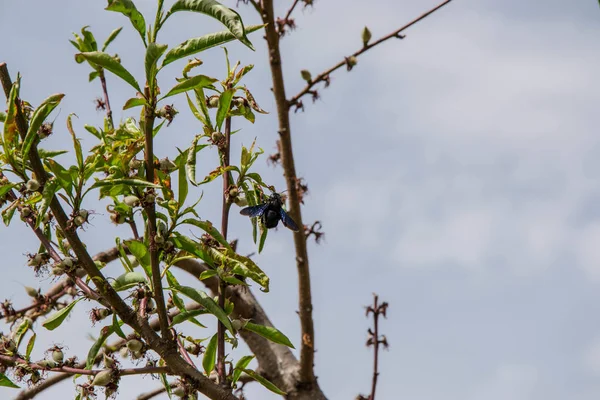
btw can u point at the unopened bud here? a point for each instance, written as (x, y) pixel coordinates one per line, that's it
(32, 292)
(131, 201)
(32, 185)
(26, 211)
(108, 361)
(134, 345)
(179, 391)
(46, 363)
(135, 164)
(217, 136)
(58, 356)
(102, 378)
(124, 352)
(213, 101)
(68, 262)
(79, 220)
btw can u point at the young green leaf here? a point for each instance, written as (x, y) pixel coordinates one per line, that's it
(47, 195)
(38, 118)
(241, 265)
(127, 8)
(153, 53)
(141, 253)
(239, 367)
(116, 326)
(194, 82)
(183, 183)
(105, 332)
(208, 303)
(209, 228)
(266, 383)
(21, 331)
(128, 280)
(199, 44)
(124, 181)
(30, 345)
(224, 106)
(134, 102)
(209, 273)
(62, 176)
(76, 143)
(109, 63)
(268, 332)
(210, 355)
(185, 243)
(187, 315)
(113, 35)
(227, 16)
(58, 317)
(4, 381)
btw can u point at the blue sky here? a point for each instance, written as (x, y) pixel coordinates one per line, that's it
(455, 173)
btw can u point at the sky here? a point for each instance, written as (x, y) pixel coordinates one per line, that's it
(456, 174)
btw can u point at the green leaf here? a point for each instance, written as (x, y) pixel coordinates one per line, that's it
(210, 355)
(127, 8)
(39, 116)
(194, 82)
(124, 181)
(227, 16)
(141, 253)
(105, 332)
(199, 44)
(109, 63)
(58, 317)
(116, 326)
(9, 130)
(209, 273)
(21, 331)
(263, 236)
(134, 102)
(47, 195)
(241, 265)
(183, 183)
(264, 382)
(8, 213)
(128, 280)
(208, 303)
(62, 175)
(209, 228)
(76, 143)
(30, 345)
(185, 243)
(113, 35)
(93, 75)
(268, 332)
(153, 53)
(6, 188)
(4, 381)
(224, 106)
(187, 315)
(239, 367)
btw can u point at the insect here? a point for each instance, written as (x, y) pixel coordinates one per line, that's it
(271, 212)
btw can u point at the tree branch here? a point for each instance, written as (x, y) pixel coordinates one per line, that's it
(222, 284)
(106, 99)
(324, 76)
(149, 117)
(305, 306)
(164, 348)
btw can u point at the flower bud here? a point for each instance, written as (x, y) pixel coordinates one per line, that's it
(26, 211)
(84, 214)
(46, 363)
(68, 262)
(213, 101)
(102, 378)
(135, 164)
(131, 201)
(58, 270)
(108, 361)
(237, 324)
(79, 220)
(167, 165)
(124, 352)
(58, 356)
(32, 292)
(179, 391)
(32, 185)
(136, 355)
(134, 345)
(217, 136)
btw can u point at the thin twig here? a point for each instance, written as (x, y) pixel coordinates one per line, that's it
(155, 392)
(291, 10)
(377, 309)
(323, 76)
(8, 360)
(106, 99)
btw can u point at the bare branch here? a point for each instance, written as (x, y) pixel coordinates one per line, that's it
(324, 76)
(305, 307)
